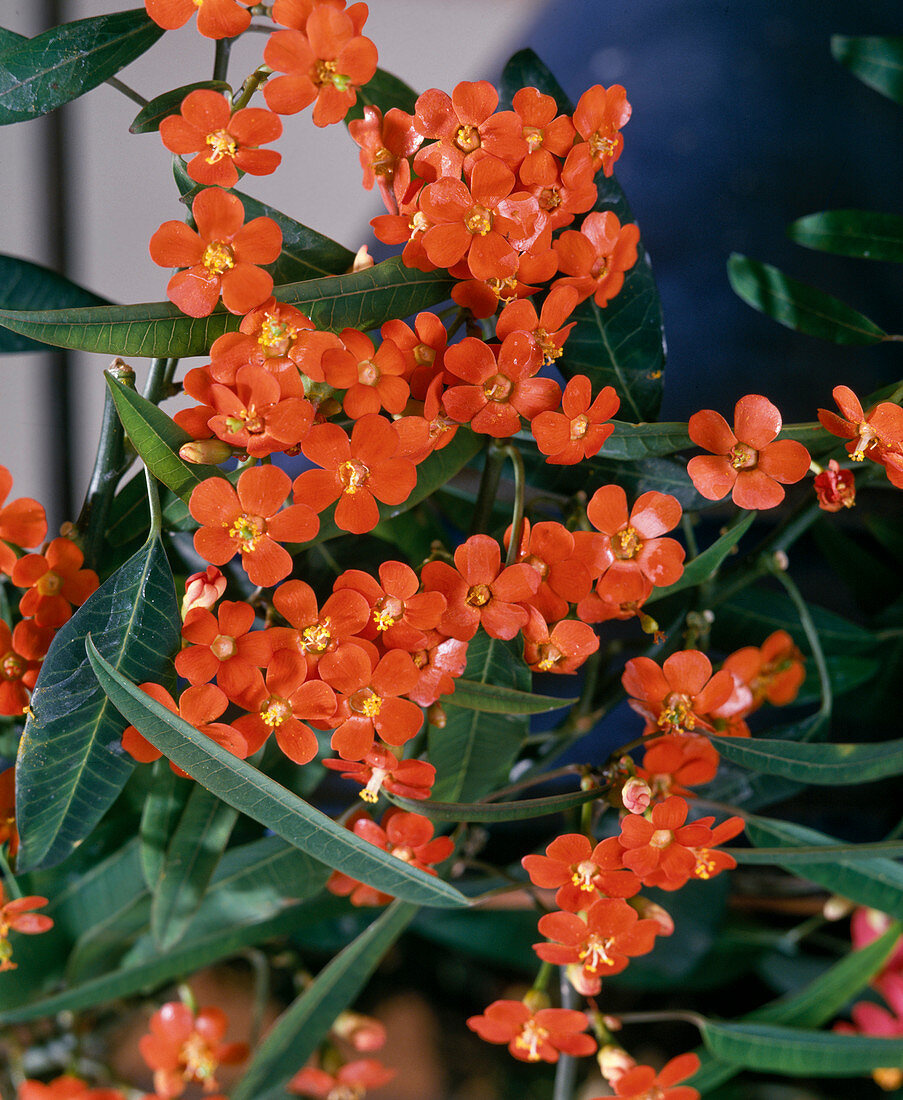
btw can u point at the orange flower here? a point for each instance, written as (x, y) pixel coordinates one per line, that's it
(748, 462)
(353, 1079)
(220, 256)
(642, 1082)
(372, 377)
(8, 831)
(216, 18)
(877, 434)
(386, 143)
(596, 257)
(677, 761)
(599, 116)
(315, 631)
(835, 488)
(534, 1035)
(268, 337)
(602, 944)
(561, 649)
(225, 647)
(545, 131)
(356, 472)
(773, 671)
(247, 519)
(326, 63)
(382, 769)
(581, 872)
(400, 613)
(261, 412)
(66, 1087)
(22, 522)
(17, 916)
(679, 696)
(579, 430)
(565, 562)
(184, 1047)
(225, 143)
(21, 653)
(55, 582)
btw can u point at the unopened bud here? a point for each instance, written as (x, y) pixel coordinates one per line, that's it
(436, 716)
(614, 1062)
(210, 452)
(362, 259)
(536, 999)
(363, 1032)
(781, 561)
(122, 372)
(636, 794)
(203, 589)
(888, 1078)
(586, 985)
(836, 908)
(649, 910)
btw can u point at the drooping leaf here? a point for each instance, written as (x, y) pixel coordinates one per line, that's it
(706, 564)
(194, 851)
(24, 285)
(522, 810)
(251, 792)
(148, 119)
(306, 254)
(71, 765)
(878, 62)
(633, 442)
(818, 853)
(362, 300)
(42, 73)
(162, 809)
(474, 751)
(383, 90)
(865, 234)
(819, 763)
(492, 698)
(300, 1029)
(875, 882)
(799, 306)
(157, 438)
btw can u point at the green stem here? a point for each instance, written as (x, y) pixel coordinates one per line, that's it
(517, 516)
(155, 387)
(109, 466)
(824, 679)
(221, 58)
(153, 503)
(489, 487)
(9, 879)
(250, 86)
(543, 975)
(130, 93)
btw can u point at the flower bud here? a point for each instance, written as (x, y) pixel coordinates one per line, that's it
(649, 910)
(206, 452)
(536, 999)
(614, 1062)
(888, 1078)
(585, 985)
(436, 716)
(636, 794)
(363, 1032)
(203, 589)
(835, 488)
(362, 259)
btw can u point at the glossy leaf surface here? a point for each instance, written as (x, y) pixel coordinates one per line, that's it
(877, 62)
(24, 285)
(865, 234)
(491, 698)
(148, 119)
(522, 810)
(384, 90)
(820, 763)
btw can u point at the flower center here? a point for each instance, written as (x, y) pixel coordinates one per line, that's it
(218, 258)
(275, 711)
(383, 162)
(325, 73)
(533, 137)
(248, 530)
(316, 638)
(550, 350)
(198, 1059)
(419, 223)
(370, 793)
(353, 475)
(867, 436)
(600, 268)
(498, 388)
(549, 656)
(541, 567)
(421, 658)
(424, 355)
(531, 1037)
(467, 138)
(504, 289)
(604, 145)
(387, 611)
(12, 667)
(583, 875)
(366, 702)
(223, 647)
(661, 838)
(248, 420)
(677, 714)
(579, 426)
(275, 336)
(404, 853)
(50, 584)
(626, 544)
(705, 865)
(367, 372)
(222, 144)
(478, 595)
(595, 953)
(549, 198)
(743, 457)
(478, 220)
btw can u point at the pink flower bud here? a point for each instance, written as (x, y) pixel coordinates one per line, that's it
(586, 985)
(636, 795)
(649, 910)
(203, 589)
(614, 1062)
(363, 1032)
(206, 451)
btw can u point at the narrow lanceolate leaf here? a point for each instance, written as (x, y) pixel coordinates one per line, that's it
(44, 72)
(814, 1005)
(831, 765)
(157, 439)
(632, 442)
(71, 765)
(301, 1028)
(474, 751)
(107, 886)
(162, 809)
(191, 858)
(24, 285)
(150, 116)
(706, 564)
(522, 810)
(385, 91)
(798, 1052)
(494, 699)
(799, 306)
(877, 62)
(251, 792)
(818, 853)
(865, 234)
(306, 254)
(362, 300)
(876, 882)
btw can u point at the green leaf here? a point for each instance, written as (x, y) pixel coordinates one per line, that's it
(799, 306)
(877, 62)
(798, 1052)
(474, 752)
(384, 91)
(24, 285)
(148, 119)
(522, 810)
(8, 39)
(250, 791)
(633, 442)
(819, 763)
(705, 565)
(101, 948)
(875, 882)
(104, 888)
(300, 1029)
(845, 673)
(163, 807)
(493, 699)
(44, 72)
(191, 858)
(71, 765)
(362, 300)
(865, 234)
(817, 853)
(751, 615)
(157, 439)
(306, 254)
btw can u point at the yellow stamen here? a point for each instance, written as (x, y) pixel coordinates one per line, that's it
(222, 144)
(218, 258)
